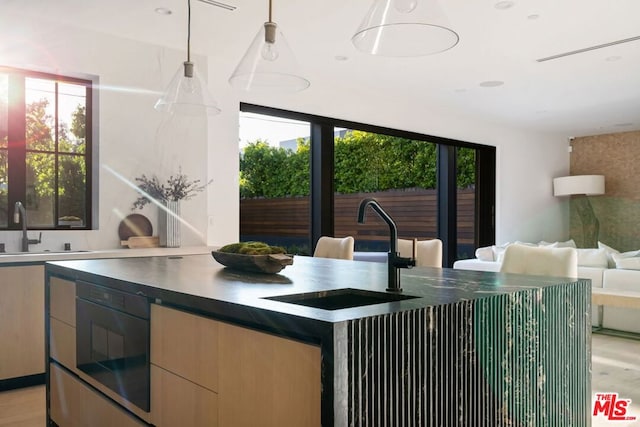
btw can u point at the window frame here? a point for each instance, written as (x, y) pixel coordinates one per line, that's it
(322, 170)
(17, 145)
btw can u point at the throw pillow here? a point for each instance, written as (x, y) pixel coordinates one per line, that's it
(485, 253)
(610, 252)
(624, 255)
(566, 244)
(544, 244)
(498, 251)
(632, 263)
(593, 258)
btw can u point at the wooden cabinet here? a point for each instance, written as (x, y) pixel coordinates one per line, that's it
(21, 321)
(185, 344)
(184, 369)
(267, 380)
(62, 322)
(74, 404)
(176, 401)
(206, 372)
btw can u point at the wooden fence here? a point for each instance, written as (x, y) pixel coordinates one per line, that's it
(414, 211)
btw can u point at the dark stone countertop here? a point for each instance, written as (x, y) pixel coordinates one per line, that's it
(199, 283)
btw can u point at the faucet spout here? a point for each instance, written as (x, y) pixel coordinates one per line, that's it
(18, 211)
(393, 228)
(394, 260)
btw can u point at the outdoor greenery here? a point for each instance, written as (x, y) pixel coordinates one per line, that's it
(364, 162)
(41, 164)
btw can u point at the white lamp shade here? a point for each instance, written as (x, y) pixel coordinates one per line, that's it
(590, 185)
(404, 28)
(187, 95)
(268, 67)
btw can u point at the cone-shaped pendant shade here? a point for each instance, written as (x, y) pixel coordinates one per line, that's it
(403, 28)
(187, 94)
(268, 65)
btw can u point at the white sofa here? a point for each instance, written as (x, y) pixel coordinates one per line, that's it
(623, 319)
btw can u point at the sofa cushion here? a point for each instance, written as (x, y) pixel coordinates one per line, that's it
(476, 264)
(610, 252)
(623, 319)
(593, 258)
(632, 263)
(485, 253)
(567, 244)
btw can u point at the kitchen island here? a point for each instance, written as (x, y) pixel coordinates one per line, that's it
(470, 348)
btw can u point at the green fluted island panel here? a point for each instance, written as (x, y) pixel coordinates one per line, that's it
(519, 359)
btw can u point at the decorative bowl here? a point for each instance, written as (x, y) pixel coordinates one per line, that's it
(269, 264)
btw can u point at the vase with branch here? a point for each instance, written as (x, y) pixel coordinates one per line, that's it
(167, 196)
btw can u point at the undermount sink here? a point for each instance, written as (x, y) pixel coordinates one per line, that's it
(340, 298)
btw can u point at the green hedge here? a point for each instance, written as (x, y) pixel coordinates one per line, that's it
(364, 162)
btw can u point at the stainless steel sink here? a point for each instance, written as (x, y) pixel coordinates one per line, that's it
(338, 299)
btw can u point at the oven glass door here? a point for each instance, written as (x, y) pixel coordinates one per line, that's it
(113, 348)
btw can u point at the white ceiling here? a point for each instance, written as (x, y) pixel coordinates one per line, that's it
(584, 94)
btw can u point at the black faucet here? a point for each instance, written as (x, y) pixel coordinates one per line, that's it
(26, 241)
(394, 261)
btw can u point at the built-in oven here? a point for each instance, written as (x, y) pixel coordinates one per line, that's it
(112, 340)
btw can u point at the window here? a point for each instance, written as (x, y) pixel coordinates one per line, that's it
(274, 181)
(431, 186)
(45, 149)
(400, 173)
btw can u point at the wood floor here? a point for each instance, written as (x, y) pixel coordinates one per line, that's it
(23, 407)
(615, 369)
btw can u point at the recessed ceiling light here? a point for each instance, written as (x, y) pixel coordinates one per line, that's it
(502, 5)
(341, 58)
(613, 58)
(492, 83)
(533, 17)
(620, 125)
(163, 11)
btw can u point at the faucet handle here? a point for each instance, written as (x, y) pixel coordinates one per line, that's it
(402, 262)
(36, 241)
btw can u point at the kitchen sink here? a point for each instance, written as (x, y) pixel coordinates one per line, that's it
(338, 299)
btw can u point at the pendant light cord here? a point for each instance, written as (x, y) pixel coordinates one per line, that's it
(189, 30)
(270, 11)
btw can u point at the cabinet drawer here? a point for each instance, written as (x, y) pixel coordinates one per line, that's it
(74, 404)
(176, 401)
(185, 344)
(21, 321)
(62, 343)
(62, 300)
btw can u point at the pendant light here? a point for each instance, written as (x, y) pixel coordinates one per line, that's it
(187, 93)
(403, 28)
(269, 64)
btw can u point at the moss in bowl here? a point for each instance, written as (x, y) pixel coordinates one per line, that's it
(257, 257)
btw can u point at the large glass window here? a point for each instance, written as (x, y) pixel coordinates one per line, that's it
(45, 147)
(309, 183)
(466, 202)
(400, 173)
(274, 181)
(4, 153)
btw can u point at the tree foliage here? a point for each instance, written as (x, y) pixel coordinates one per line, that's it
(364, 162)
(41, 162)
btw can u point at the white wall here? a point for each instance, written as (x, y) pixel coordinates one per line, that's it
(135, 139)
